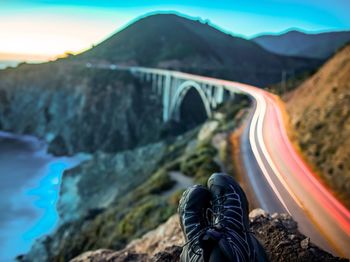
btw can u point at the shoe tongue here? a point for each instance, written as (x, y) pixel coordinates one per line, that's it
(217, 190)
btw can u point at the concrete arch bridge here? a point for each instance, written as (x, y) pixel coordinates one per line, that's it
(174, 86)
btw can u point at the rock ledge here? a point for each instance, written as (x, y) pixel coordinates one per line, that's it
(278, 233)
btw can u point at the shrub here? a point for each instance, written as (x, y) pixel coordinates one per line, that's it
(200, 164)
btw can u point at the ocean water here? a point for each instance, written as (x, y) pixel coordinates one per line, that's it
(8, 63)
(29, 188)
(13, 63)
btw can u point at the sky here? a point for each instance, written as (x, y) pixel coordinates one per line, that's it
(44, 29)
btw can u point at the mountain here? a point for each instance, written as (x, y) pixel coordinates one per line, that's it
(296, 43)
(172, 41)
(320, 113)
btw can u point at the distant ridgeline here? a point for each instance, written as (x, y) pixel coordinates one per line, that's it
(295, 43)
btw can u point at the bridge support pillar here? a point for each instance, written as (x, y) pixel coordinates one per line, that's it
(166, 97)
(219, 95)
(154, 83)
(159, 85)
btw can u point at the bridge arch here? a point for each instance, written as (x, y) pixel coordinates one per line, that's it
(180, 94)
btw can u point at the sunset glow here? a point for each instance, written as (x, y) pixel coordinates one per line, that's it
(46, 29)
(43, 37)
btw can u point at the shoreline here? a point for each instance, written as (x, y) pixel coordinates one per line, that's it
(30, 191)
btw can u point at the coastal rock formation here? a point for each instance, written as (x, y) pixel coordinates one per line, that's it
(92, 186)
(79, 109)
(97, 193)
(278, 233)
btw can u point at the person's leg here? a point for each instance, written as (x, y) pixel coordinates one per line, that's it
(217, 255)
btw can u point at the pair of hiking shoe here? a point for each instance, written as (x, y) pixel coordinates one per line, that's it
(214, 219)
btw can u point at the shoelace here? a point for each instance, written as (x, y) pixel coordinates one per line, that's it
(219, 216)
(213, 224)
(218, 205)
(196, 236)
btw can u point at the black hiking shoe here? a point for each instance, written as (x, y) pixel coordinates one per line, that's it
(230, 217)
(193, 220)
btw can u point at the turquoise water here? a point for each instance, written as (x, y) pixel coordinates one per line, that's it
(29, 186)
(13, 63)
(8, 63)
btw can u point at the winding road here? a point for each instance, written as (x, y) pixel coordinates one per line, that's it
(275, 172)
(282, 182)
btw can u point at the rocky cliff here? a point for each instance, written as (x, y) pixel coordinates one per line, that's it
(320, 113)
(99, 194)
(278, 233)
(92, 186)
(77, 109)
